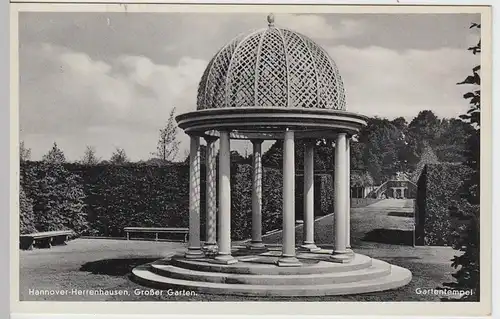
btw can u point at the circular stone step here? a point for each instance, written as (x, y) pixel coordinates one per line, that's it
(258, 267)
(398, 277)
(377, 270)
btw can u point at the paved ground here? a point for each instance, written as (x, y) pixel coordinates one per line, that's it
(382, 230)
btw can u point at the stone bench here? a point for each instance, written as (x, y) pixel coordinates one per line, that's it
(156, 231)
(44, 239)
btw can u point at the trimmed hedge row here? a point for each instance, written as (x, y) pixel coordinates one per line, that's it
(100, 200)
(323, 195)
(437, 188)
(54, 199)
(27, 218)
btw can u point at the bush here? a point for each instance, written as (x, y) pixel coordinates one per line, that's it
(437, 189)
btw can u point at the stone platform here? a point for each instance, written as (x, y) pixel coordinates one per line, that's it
(258, 275)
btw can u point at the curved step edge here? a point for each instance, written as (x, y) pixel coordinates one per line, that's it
(398, 278)
(377, 270)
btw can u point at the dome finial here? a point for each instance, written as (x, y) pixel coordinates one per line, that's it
(270, 20)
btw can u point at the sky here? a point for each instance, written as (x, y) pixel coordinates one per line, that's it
(110, 80)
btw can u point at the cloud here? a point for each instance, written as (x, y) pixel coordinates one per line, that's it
(68, 94)
(389, 83)
(317, 26)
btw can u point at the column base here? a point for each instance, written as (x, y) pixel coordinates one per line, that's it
(341, 257)
(349, 251)
(194, 253)
(311, 247)
(210, 248)
(288, 261)
(258, 245)
(224, 259)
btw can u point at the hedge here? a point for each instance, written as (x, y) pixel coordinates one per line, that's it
(437, 188)
(27, 218)
(57, 197)
(241, 199)
(323, 195)
(100, 200)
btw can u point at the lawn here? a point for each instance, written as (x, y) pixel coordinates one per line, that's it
(106, 264)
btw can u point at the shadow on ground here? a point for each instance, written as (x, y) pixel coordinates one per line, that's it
(390, 236)
(115, 267)
(401, 214)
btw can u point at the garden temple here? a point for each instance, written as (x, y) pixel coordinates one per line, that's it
(270, 84)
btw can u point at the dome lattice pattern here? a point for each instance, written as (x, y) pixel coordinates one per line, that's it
(271, 67)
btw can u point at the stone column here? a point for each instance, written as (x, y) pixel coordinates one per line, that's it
(194, 249)
(257, 196)
(340, 252)
(308, 228)
(211, 198)
(224, 243)
(288, 257)
(348, 185)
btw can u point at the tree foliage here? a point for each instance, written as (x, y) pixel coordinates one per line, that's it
(467, 209)
(24, 152)
(55, 155)
(168, 144)
(119, 156)
(90, 157)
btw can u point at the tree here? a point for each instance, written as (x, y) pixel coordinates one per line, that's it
(24, 153)
(428, 156)
(168, 145)
(55, 155)
(452, 142)
(119, 156)
(323, 158)
(383, 142)
(466, 209)
(89, 157)
(423, 130)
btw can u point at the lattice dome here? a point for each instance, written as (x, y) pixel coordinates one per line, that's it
(271, 67)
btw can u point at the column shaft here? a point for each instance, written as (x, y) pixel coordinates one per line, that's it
(288, 250)
(257, 196)
(224, 253)
(211, 198)
(194, 249)
(340, 253)
(308, 228)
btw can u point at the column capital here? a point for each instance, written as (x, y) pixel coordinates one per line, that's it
(210, 138)
(193, 134)
(256, 140)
